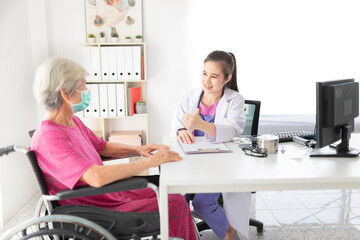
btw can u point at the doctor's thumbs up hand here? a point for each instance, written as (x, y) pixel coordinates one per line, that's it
(193, 121)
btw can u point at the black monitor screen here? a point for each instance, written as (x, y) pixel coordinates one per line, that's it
(337, 105)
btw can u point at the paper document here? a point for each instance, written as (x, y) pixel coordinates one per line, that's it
(201, 145)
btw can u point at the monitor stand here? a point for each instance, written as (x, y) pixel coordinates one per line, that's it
(342, 149)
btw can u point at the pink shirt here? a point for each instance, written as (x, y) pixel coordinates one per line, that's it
(64, 154)
(207, 114)
(208, 111)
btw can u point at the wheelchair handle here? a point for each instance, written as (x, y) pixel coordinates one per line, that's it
(13, 148)
(7, 150)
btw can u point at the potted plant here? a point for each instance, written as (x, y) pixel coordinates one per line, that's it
(102, 37)
(128, 39)
(140, 107)
(91, 38)
(138, 38)
(114, 37)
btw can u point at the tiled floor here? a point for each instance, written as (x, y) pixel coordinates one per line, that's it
(24, 213)
(288, 215)
(320, 214)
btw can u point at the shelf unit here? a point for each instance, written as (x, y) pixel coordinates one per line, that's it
(103, 126)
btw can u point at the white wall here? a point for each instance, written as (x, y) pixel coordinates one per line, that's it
(18, 108)
(168, 61)
(282, 48)
(66, 28)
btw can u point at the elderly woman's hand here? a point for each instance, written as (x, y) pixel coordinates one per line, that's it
(145, 150)
(163, 156)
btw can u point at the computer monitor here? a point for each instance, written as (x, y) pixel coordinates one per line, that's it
(337, 105)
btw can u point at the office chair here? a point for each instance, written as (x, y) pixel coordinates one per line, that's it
(87, 222)
(252, 113)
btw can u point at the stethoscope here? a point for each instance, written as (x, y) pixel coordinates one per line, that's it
(198, 106)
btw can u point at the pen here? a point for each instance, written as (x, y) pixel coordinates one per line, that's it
(303, 141)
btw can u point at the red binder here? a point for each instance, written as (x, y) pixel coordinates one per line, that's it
(135, 96)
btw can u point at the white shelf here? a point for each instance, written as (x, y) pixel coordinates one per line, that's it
(122, 81)
(114, 44)
(135, 116)
(105, 125)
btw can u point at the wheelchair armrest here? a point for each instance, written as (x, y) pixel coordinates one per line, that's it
(104, 158)
(122, 185)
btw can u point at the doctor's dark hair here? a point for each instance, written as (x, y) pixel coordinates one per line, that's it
(228, 64)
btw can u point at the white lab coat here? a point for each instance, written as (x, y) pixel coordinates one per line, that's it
(230, 122)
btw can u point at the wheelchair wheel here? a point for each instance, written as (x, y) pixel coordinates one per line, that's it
(41, 210)
(58, 227)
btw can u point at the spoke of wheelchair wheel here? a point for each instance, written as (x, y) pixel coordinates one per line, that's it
(88, 232)
(19, 236)
(75, 229)
(62, 227)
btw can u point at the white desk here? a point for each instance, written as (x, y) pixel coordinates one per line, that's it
(237, 172)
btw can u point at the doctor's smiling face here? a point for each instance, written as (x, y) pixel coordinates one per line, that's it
(213, 79)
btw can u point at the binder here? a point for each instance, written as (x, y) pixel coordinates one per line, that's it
(142, 68)
(128, 63)
(88, 110)
(111, 90)
(136, 62)
(87, 62)
(104, 112)
(94, 102)
(128, 102)
(120, 62)
(134, 96)
(112, 64)
(120, 99)
(95, 64)
(201, 145)
(105, 64)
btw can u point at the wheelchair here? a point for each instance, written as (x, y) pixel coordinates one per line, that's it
(53, 221)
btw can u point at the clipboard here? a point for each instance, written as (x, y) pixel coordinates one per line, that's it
(201, 145)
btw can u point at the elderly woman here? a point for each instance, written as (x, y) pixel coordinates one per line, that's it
(68, 151)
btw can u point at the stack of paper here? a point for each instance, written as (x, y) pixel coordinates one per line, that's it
(126, 137)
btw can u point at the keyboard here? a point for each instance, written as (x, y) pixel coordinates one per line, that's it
(286, 136)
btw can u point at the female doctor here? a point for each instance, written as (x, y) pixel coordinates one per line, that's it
(216, 111)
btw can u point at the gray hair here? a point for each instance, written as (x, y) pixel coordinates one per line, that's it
(53, 75)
